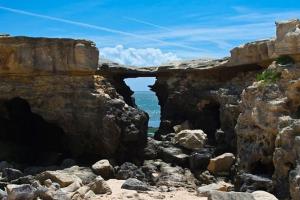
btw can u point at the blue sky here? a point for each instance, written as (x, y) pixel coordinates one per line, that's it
(149, 32)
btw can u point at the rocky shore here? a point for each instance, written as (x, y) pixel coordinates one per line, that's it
(69, 128)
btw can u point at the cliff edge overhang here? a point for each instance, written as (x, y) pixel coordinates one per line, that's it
(27, 56)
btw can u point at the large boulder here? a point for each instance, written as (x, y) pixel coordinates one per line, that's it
(68, 176)
(191, 139)
(174, 155)
(11, 174)
(175, 176)
(20, 192)
(250, 183)
(258, 195)
(151, 151)
(130, 170)
(204, 191)
(99, 186)
(62, 178)
(217, 195)
(104, 169)
(135, 184)
(199, 160)
(221, 163)
(262, 195)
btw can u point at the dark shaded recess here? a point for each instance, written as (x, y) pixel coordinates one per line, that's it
(282, 186)
(35, 139)
(208, 120)
(264, 169)
(124, 90)
(184, 108)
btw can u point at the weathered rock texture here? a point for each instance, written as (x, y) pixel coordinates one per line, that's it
(52, 99)
(209, 95)
(50, 96)
(287, 42)
(203, 93)
(207, 99)
(268, 128)
(21, 55)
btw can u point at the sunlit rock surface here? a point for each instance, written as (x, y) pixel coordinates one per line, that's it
(56, 77)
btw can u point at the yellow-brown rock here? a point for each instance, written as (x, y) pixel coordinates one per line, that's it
(221, 163)
(287, 42)
(25, 55)
(54, 80)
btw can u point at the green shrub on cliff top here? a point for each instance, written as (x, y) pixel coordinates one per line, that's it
(269, 76)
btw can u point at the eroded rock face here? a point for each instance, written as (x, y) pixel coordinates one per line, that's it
(21, 55)
(208, 100)
(268, 128)
(257, 127)
(288, 38)
(55, 78)
(287, 42)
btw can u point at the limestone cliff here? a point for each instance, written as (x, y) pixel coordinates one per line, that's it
(54, 98)
(52, 82)
(258, 120)
(287, 42)
(267, 130)
(206, 98)
(268, 126)
(204, 93)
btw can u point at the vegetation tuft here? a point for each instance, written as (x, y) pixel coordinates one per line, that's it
(269, 76)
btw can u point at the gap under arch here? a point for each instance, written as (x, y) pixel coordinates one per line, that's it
(146, 100)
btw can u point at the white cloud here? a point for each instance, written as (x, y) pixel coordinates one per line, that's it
(137, 57)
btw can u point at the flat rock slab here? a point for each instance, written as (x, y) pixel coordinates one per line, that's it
(134, 184)
(216, 195)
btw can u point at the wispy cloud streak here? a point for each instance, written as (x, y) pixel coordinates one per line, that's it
(95, 27)
(148, 23)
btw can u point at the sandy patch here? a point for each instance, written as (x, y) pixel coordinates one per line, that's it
(121, 194)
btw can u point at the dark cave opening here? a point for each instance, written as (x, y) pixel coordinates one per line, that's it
(264, 169)
(208, 119)
(206, 116)
(27, 136)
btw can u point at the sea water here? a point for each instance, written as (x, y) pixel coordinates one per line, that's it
(148, 102)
